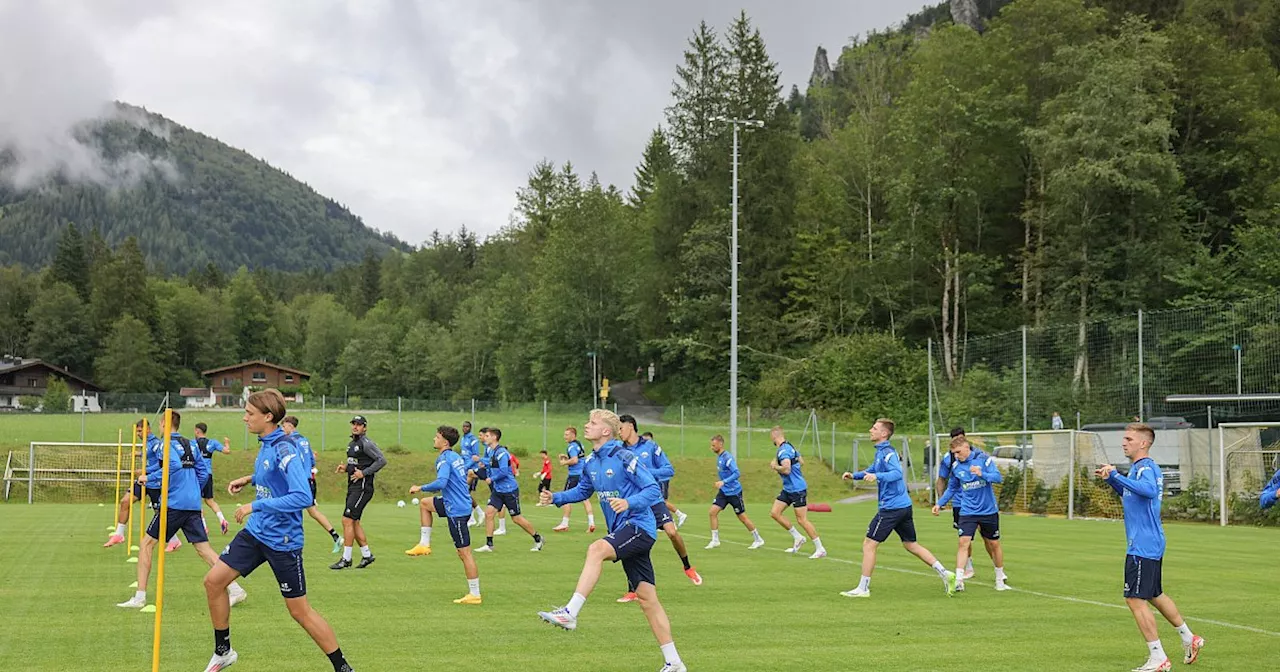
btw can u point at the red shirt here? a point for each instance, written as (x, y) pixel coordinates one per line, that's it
(546, 469)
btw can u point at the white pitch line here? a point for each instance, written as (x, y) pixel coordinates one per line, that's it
(1063, 598)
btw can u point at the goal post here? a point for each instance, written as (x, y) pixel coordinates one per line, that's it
(1250, 454)
(1046, 472)
(53, 471)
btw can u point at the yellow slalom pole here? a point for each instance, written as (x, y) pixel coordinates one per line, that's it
(119, 462)
(133, 478)
(160, 544)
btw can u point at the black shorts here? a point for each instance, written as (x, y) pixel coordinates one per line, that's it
(955, 516)
(988, 526)
(206, 488)
(892, 520)
(662, 514)
(312, 483)
(510, 500)
(1142, 577)
(153, 495)
(666, 490)
(799, 499)
(457, 525)
(188, 521)
(631, 546)
(358, 496)
(245, 554)
(571, 482)
(724, 501)
(544, 484)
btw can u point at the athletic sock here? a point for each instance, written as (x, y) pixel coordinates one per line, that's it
(221, 641)
(669, 653)
(715, 535)
(488, 541)
(1157, 651)
(537, 538)
(333, 534)
(817, 542)
(937, 567)
(968, 565)
(564, 522)
(795, 534)
(591, 519)
(365, 552)
(120, 530)
(473, 587)
(575, 604)
(338, 661)
(1184, 631)
(141, 595)
(755, 534)
(346, 553)
(864, 583)
(685, 560)
(1000, 574)
(425, 538)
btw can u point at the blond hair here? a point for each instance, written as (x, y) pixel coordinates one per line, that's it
(1142, 428)
(610, 420)
(957, 441)
(887, 423)
(269, 402)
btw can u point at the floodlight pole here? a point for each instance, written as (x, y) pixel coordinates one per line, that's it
(733, 288)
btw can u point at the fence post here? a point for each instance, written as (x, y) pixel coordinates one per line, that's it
(932, 435)
(1071, 480)
(399, 420)
(833, 447)
(473, 411)
(31, 472)
(1142, 412)
(1023, 439)
(748, 430)
(1222, 478)
(681, 430)
(544, 424)
(82, 410)
(1209, 426)
(324, 398)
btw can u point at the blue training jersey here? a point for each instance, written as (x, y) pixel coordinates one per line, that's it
(574, 449)
(451, 483)
(890, 483)
(653, 459)
(154, 455)
(612, 471)
(1141, 493)
(944, 466)
(468, 445)
(280, 480)
(499, 461)
(727, 469)
(304, 452)
(187, 472)
(794, 481)
(1267, 498)
(972, 493)
(208, 446)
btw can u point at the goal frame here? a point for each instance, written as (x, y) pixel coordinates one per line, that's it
(1222, 457)
(31, 467)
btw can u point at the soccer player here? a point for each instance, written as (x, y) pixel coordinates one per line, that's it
(153, 455)
(506, 493)
(187, 470)
(729, 493)
(664, 480)
(208, 447)
(470, 448)
(1141, 493)
(652, 459)
(363, 461)
(969, 486)
(487, 443)
(627, 494)
(944, 477)
(273, 534)
(573, 460)
(795, 493)
(894, 514)
(1270, 492)
(544, 475)
(290, 427)
(454, 505)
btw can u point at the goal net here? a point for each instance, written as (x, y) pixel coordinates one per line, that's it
(1049, 472)
(1251, 452)
(67, 472)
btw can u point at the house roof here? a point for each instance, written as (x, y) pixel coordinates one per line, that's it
(254, 362)
(18, 364)
(194, 392)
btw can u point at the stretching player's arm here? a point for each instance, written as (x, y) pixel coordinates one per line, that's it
(298, 498)
(502, 468)
(663, 469)
(649, 493)
(1143, 483)
(784, 467)
(991, 472)
(442, 477)
(1269, 493)
(379, 461)
(734, 474)
(892, 470)
(953, 490)
(584, 489)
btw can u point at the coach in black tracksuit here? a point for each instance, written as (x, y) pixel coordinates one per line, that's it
(363, 461)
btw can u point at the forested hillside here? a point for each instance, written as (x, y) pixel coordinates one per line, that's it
(203, 205)
(1068, 162)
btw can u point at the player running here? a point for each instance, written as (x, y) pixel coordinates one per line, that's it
(894, 514)
(969, 486)
(273, 534)
(573, 460)
(665, 484)
(290, 427)
(471, 450)
(153, 452)
(187, 470)
(1141, 493)
(207, 448)
(729, 493)
(795, 493)
(627, 494)
(940, 486)
(454, 505)
(651, 458)
(363, 461)
(506, 493)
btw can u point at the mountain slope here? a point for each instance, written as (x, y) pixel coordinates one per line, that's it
(189, 199)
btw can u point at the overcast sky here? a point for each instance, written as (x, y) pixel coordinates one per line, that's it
(417, 115)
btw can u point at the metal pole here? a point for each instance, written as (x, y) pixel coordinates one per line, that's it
(31, 472)
(748, 430)
(1222, 478)
(1209, 426)
(1024, 382)
(473, 411)
(595, 384)
(1077, 421)
(833, 446)
(733, 310)
(682, 430)
(400, 420)
(1141, 392)
(82, 409)
(933, 437)
(1239, 379)
(1071, 481)
(544, 424)
(324, 399)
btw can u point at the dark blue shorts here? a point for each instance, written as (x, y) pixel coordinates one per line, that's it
(510, 500)
(989, 526)
(666, 490)
(457, 525)
(798, 499)
(724, 501)
(662, 514)
(892, 520)
(631, 546)
(572, 482)
(187, 521)
(206, 488)
(245, 553)
(153, 495)
(1142, 577)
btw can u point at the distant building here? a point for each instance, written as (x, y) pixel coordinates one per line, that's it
(228, 383)
(30, 378)
(199, 397)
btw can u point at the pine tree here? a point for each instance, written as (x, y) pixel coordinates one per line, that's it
(71, 264)
(657, 161)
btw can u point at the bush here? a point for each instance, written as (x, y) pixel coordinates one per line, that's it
(1244, 507)
(1194, 502)
(396, 449)
(57, 396)
(29, 403)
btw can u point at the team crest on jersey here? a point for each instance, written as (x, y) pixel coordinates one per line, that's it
(608, 473)
(266, 463)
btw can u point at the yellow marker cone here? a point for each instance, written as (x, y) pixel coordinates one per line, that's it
(132, 560)
(134, 585)
(134, 549)
(149, 609)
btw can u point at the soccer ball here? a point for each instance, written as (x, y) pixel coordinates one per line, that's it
(400, 503)
(415, 501)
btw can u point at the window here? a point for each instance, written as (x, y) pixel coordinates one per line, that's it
(32, 382)
(259, 376)
(288, 377)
